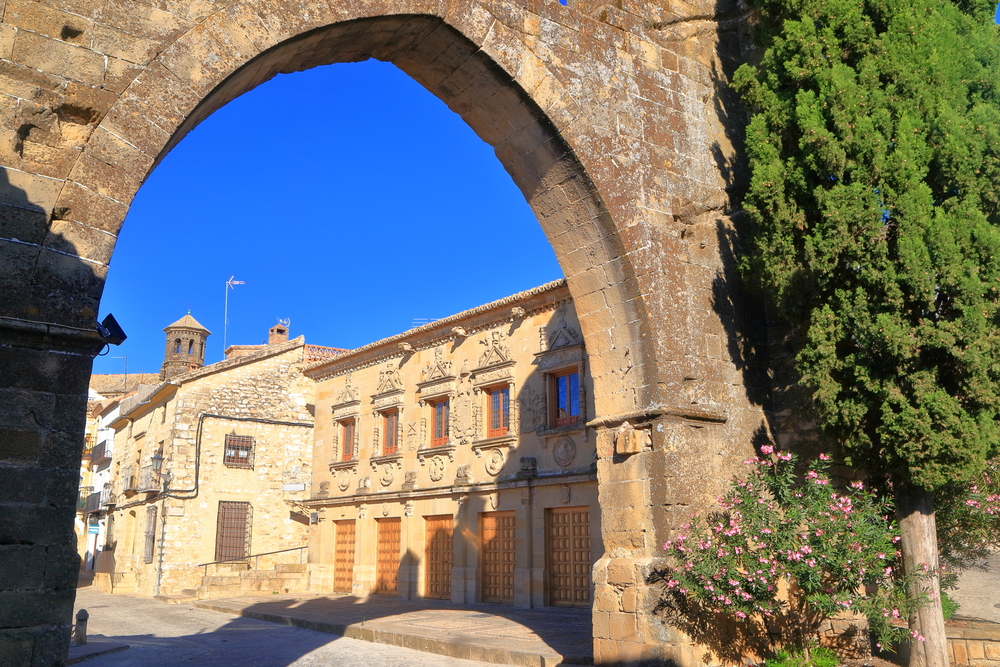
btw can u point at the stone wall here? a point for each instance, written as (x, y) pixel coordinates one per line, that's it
(263, 396)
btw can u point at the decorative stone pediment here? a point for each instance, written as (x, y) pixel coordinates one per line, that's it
(437, 369)
(559, 358)
(495, 374)
(496, 352)
(348, 395)
(389, 381)
(562, 334)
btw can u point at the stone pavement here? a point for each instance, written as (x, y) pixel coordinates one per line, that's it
(162, 635)
(482, 632)
(978, 592)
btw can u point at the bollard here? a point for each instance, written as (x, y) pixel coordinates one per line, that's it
(81, 627)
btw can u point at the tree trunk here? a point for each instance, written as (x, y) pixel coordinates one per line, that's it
(915, 510)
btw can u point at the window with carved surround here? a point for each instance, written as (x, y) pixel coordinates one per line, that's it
(238, 451)
(497, 411)
(390, 429)
(564, 398)
(439, 421)
(347, 430)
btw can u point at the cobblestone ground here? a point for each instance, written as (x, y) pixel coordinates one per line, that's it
(979, 592)
(162, 635)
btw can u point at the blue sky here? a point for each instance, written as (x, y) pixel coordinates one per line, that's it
(349, 199)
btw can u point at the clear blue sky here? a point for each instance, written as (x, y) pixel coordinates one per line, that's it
(349, 199)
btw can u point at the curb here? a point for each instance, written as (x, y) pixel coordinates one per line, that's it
(450, 648)
(88, 651)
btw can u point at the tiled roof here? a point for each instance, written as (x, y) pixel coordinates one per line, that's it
(117, 384)
(187, 322)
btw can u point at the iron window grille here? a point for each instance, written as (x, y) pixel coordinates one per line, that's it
(239, 451)
(232, 534)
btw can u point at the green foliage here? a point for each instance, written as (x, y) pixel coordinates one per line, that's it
(948, 605)
(837, 548)
(816, 657)
(874, 146)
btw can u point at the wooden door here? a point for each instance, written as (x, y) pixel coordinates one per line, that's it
(343, 556)
(438, 556)
(387, 556)
(568, 548)
(499, 555)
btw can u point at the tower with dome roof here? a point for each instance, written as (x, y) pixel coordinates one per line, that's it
(185, 348)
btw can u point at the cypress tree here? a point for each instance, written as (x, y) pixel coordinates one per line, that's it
(874, 149)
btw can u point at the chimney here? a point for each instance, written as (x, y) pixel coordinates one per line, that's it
(277, 334)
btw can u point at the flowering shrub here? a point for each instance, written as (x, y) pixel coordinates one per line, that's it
(968, 521)
(795, 545)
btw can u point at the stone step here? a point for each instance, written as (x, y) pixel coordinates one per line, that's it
(291, 567)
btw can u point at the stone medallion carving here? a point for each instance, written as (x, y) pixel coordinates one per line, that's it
(343, 480)
(387, 474)
(436, 468)
(564, 452)
(324, 489)
(494, 462)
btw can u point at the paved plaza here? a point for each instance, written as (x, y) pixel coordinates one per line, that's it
(310, 630)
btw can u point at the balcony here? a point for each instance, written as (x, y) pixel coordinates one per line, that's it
(85, 493)
(100, 454)
(107, 497)
(149, 480)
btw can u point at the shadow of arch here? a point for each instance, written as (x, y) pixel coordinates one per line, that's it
(494, 103)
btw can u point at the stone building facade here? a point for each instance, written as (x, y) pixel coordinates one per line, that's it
(209, 466)
(454, 461)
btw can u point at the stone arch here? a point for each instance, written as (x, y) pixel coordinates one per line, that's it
(607, 119)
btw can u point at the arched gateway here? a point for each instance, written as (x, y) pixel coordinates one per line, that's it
(607, 117)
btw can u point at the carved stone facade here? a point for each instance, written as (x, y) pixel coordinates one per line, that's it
(462, 380)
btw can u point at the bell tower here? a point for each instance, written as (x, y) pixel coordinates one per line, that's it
(185, 350)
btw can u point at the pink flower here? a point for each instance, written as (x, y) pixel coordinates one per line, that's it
(824, 457)
(767, 449)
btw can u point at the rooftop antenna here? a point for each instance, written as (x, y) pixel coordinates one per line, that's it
(124, 377)
(285, 322)
(225, 317)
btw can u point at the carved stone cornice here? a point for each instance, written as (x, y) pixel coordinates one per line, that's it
(508, 441)
(391, 459)
(559, 357)
(440, 450)
(352, 465)
(483, 318)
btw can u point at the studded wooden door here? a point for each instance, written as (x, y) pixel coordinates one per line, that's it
(568, 548)
(387, 556)
(499, 554)
(438, 556)
(343, 556)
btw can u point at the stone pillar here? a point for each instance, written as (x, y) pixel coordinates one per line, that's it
(524, 538)
(43, 399)
(460, 551)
